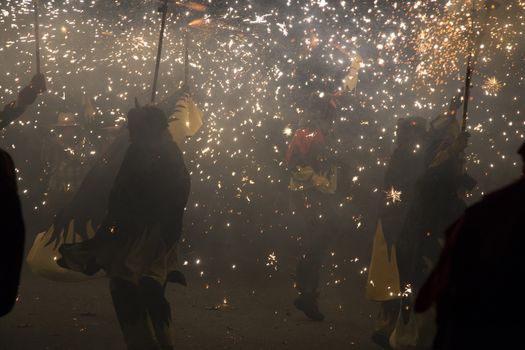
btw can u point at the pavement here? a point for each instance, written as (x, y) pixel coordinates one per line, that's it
(241, 311)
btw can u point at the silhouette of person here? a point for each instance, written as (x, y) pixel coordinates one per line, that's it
(136, 243)
(476, 283)
(88, 205)
(405, 168)
(312, 185)
(438, 200)
(12, 248)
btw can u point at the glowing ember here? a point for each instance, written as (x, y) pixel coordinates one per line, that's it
(492, 86)
(393, 195)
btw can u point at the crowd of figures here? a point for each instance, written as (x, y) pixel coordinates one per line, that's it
(428, 249)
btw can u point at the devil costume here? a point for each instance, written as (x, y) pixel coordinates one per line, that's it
(136, 242)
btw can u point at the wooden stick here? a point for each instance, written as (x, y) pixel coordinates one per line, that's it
(37, 37)
(159, 51)
(468, 75)
(186, 58)
(466, 97)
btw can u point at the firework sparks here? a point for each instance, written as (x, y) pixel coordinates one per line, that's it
(250, 72)
(492, 86)
(271, 261)
(393, 195)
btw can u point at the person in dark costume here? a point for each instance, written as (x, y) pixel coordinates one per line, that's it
(87, 208)
(13, 229)
(313, 181)
(477, 280)
(439, 197)
(438, 202)
(405, 167)
(311, 163)
(136, 242)
(11, 251)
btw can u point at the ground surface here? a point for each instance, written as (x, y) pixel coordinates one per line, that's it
(59, 316)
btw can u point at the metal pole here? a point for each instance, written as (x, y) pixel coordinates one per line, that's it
(466, 97)
(186, 58)
(37, 37)
(164, 9)
(468, 75)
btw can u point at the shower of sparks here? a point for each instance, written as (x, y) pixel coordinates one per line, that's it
(492, 86)
(393, 195)
(272, 261)
(434, 39)
(252, 68)
(407, 292)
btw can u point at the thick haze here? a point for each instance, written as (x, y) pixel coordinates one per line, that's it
(248, 68)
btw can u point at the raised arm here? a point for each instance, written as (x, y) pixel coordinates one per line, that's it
(26, 97)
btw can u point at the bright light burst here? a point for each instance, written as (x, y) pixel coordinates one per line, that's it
(393, 195)
(492, 86)
(435, 39)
